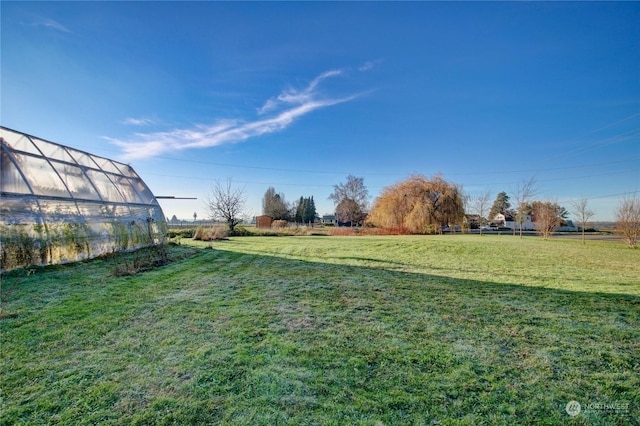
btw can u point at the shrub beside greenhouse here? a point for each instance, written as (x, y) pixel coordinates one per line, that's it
(59, 204)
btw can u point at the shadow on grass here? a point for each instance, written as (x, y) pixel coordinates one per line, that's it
(245, 338)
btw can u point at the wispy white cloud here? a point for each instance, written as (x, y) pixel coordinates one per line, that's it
(294, 96)
(51, 24)
(138, 121)
(275, 115)
(369, 65)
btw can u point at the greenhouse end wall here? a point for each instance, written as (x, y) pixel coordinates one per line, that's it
(59, 204)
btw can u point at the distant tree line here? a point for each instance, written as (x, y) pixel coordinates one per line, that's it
(422, 205)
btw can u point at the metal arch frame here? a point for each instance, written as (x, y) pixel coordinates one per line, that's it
(69, 156)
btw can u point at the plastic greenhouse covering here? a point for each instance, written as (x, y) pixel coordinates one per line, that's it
(59, 204)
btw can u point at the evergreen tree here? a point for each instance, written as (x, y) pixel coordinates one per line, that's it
(300, 211)
(309, 210)
(306, 210)
(500, 206)
(313, 210)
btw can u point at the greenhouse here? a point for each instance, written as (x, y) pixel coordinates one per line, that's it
(59, 204)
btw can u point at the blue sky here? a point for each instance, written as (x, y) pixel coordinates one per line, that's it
(298, 95)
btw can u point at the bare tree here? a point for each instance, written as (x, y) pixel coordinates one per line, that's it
(582, 213)
(480, 204)
(351, 200)
(523, 193)
(348, 211)
(628, 220)
(274, 205)
(226, 203)
(547, 216)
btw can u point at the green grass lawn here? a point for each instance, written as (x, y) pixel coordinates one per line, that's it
(454, 329)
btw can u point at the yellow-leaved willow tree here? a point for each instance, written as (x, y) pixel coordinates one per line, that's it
(418, 205)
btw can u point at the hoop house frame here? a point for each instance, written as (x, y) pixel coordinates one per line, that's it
(59, 204)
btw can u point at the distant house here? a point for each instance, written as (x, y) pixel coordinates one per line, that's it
(569, 227)
(508, 221)
(329, 218)
(264, 221)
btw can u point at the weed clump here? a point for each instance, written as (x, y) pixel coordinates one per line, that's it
(213, 233)
(141, 260)
(279, 224)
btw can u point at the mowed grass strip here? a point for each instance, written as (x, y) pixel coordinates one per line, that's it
(452, 329)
